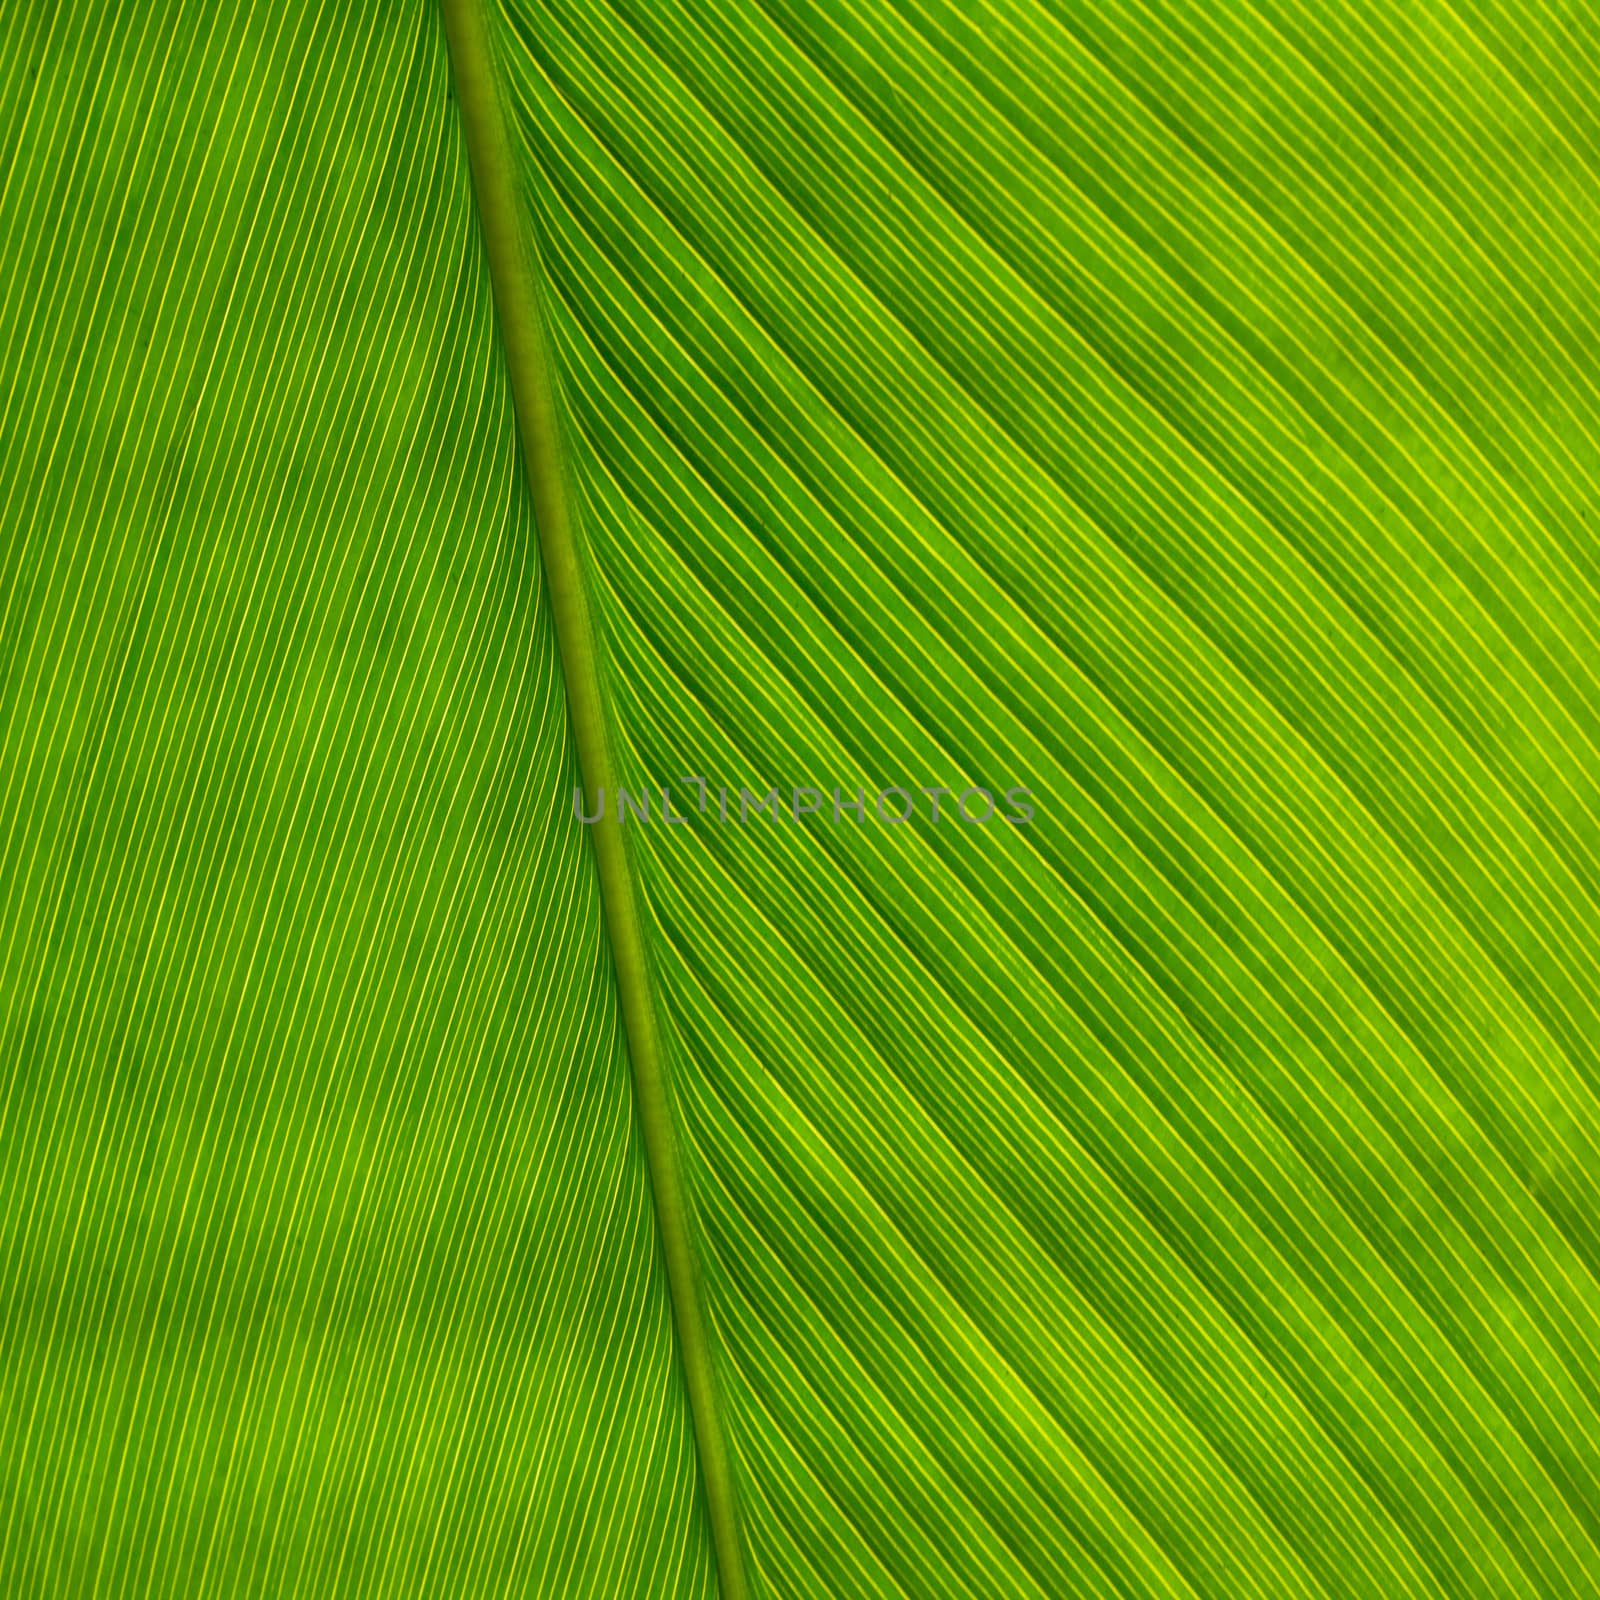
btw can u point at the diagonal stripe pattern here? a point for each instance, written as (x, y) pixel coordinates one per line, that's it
(327, 1264)
(1188, 412)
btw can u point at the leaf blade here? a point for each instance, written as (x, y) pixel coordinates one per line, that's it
(876, 491)
(328, 1257)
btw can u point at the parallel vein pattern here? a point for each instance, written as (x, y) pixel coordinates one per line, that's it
(1189, 412)
(327, 1264)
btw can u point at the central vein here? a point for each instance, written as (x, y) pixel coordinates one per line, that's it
(512, 271)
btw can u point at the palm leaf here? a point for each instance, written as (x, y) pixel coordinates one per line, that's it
(1184, 413)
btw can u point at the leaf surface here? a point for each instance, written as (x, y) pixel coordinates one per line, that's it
(1189, 415)
(327, 1264)
(1184, 414)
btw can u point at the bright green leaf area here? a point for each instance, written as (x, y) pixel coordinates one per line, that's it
(1187, 411)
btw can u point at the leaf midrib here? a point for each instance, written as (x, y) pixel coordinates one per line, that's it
(513, 276)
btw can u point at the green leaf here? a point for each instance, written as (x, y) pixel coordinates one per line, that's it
(1185, 413)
